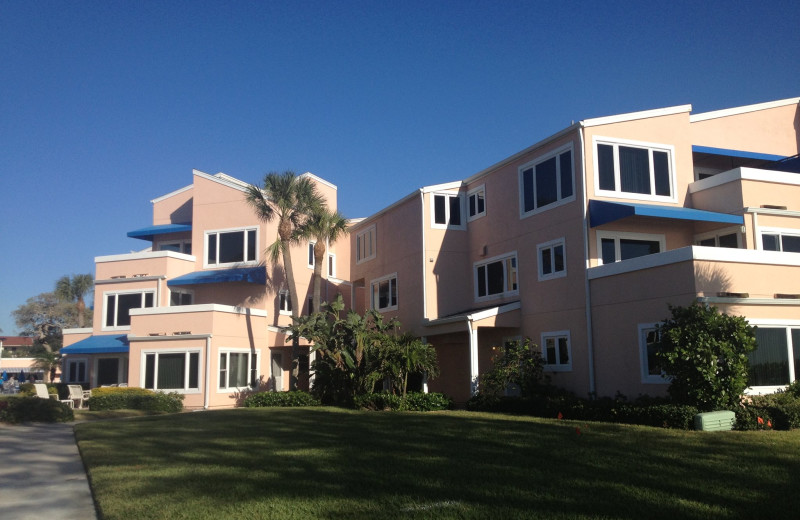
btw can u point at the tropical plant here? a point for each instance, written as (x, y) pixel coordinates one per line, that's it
(47, 362)
(73, 289)
(291, 200)
(517, 364)
(703, 352)
(405, 355)
(325, 227)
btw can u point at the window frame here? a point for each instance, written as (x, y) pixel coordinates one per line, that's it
(182, 246)
(251, 366)
(787, 326)
(716, 234)
(626, 235)
(474, 193)
(182, 292)
(284, 302)
(245, 251)
(506, 291)
(780, 232)
(448, 195)
(332, 265)
(531, 165)
(116, 295)
(311, 257)
(187, 366)
(643, 329)
(650, 147)
(558, 366)
(377, 281)
(370, 232)
(76, 362)
(551, 245)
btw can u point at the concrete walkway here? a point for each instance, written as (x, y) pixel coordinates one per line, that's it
(42, 474)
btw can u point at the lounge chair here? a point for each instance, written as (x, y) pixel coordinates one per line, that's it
(41, 391)
(76, 395)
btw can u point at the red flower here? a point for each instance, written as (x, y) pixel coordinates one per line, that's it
(760, 421)
(578, 431)
(769, 423)
(560, 416)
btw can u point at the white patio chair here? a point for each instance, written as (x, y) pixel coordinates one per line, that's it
(41, 392)
(76, 395)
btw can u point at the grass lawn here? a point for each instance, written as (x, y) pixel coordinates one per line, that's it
(305, 463)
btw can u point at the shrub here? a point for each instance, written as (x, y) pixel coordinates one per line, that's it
(781, 411)
(379, 401)
(19, 409)
(517, 363)
(413, 402)
(114, 398)
(281, 399)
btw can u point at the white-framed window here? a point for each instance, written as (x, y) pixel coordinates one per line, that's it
(496, 277)
(229, 247)
(776, 361)
(616, 246)
(177, 246)
(311, 258)
(552, 259)
(634, 169)
(238, 369)
(447, 211)
(117, 306)
(546, 182)
(75, 371)
(651, 371)
(366, 245)
(284, 302)
(476, 202)
(556, 351)
(720, 238)
(179, 297)
(310, 305)
(174, 371)
(332, 265)
(384, 293)
(786, 240)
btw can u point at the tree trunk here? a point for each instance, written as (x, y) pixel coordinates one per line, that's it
(319, 258)
(81, 309)
(289, 270)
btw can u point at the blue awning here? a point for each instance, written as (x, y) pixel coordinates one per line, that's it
(147, 233)
(737, 153)
(602, 212)
(239, 274)
(99, 345)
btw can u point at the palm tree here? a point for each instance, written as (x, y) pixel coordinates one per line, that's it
(47, 362)
(291, 200)
(73, 290)
(325, 227)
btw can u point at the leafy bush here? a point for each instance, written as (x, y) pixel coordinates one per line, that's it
(114, 398)
(779, 411)
(17, 409)
(281, 399)
(517, 363)
(413, 402)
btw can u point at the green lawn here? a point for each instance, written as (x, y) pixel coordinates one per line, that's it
(332, 463)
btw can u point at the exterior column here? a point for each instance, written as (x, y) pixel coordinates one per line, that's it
(473, 359)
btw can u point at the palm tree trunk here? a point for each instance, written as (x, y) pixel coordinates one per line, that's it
(319, 257)
(81, 310)
(287, 267)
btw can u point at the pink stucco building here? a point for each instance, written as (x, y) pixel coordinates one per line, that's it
(580, 242)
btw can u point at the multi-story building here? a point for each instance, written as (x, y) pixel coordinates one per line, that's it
(200, 311)
(582, 240)
(579, 242)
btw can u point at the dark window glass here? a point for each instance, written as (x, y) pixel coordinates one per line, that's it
(770, 242)
(661, 173)
(223, 370)
(558, 256)
(634, 170)
(728, 241)
(551, 351)
(796, 349)
(311, 254)
(149, 371)
(439, 215)
(635, 248)
(708, 242)
(653, 368)
(473, 203)
(608, 252)
(231, 247)
(238, 370)
(546, 187)
(563, 351)
(547, 263)
(566, 174)
(527, 189)
(148, 300)
(605, 166)
(126, 302)
(251, 245)
(212, 249)
(194, 370)
(790, 244)
(111, 309)
(495, 278)
(171, 371)
(482, 280)
(769, 363)
(455, 211)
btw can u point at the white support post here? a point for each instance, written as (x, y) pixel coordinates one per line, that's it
(473, 359)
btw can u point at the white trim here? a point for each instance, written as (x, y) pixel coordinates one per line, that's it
(65, 370)
(558, 367)
(287, 298)
(632, 116)
(116, 294)
(84, 330)
(171, 291)
(447, 196)
(250, 366)
(447, 186)
(320, 180)
(724, 300)
(499, 258)
(178, 337)
(552, 244)
(744, 173)
(185, 351)
(172, 194)
(650, 147)
(369, 230)
(777, 324)
(618, 235)
(477, 316)
(203, 307)
(703, 116)
(720, 233)
(310, 253)
(225, 180)
(531, 165)
(125, 279)
(144, 255)
(474, 191)
(644, 371)
(372, 300)
(245, 252)
(781, 232)
(180, 242)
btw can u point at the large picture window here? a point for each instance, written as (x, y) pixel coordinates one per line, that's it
(642, 170)
(173, 371)
(384, 293)
(496, 277)
(224, 248)
(618, 246)
(776, 360)
(118, 306)
(237, 369)
(547, 181)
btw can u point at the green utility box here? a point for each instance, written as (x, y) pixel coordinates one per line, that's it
(714, 421)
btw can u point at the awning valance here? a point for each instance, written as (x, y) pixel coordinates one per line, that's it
(147, 233)
(99, 345)
(737, 153)
(602, 212)
(257, 275)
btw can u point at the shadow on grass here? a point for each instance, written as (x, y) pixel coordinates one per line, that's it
(331, 463)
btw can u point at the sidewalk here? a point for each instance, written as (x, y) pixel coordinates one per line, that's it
(42, 475)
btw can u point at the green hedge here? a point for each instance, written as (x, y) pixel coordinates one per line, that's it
(781, 411)
(113, 398)
(414, 402)
(281, 399)
(17, 409)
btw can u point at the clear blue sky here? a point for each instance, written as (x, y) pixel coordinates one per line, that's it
(107, 105)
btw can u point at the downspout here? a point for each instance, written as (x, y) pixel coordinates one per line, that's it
(473, 358)
(587, 284)
(424, 271)
(207, 384)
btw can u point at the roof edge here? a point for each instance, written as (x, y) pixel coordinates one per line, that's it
(704, 116)
(632, 116)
